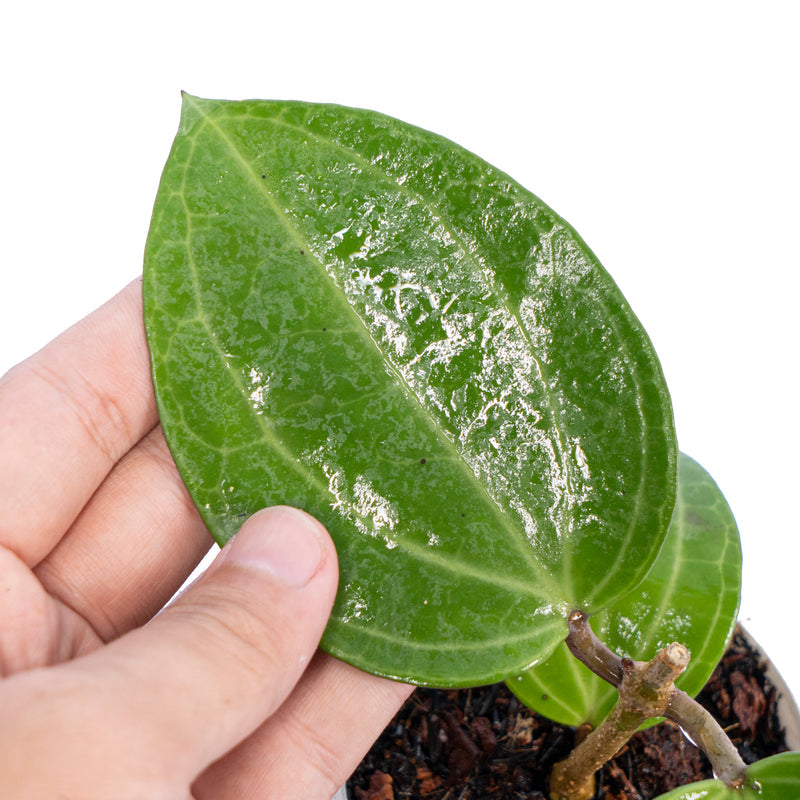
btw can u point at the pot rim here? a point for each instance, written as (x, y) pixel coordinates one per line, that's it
(788, 710)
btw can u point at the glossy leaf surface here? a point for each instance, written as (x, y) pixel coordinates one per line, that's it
(691, 596)
(359, 318)
(774, 778)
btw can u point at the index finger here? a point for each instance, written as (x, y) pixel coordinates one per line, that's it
(67, 415)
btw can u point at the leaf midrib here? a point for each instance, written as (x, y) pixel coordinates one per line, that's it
(437, 214)
(545, 586)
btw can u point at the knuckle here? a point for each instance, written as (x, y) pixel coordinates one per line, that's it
(323, 761)
(223, 622)
(97, 412)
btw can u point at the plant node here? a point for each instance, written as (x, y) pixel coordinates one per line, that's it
(645, 691)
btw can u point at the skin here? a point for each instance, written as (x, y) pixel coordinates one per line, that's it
(223, 694)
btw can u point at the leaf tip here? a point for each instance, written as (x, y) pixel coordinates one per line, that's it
(193, 109)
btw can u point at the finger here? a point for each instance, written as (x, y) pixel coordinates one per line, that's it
(37, 630)
(242, 636)
(132, 546)
(161, 703)
(69, 413)
(314, 742)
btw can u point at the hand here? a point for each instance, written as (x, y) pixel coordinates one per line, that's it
(219, 696)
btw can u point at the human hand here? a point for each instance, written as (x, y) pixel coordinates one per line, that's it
(222, 695)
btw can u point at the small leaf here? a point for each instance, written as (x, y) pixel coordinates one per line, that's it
(691, 596)
(773, 778)
(359, 318)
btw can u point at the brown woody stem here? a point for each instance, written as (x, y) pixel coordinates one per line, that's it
(646, 689)
(586, 647)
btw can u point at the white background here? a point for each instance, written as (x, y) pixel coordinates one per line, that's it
(667, 134)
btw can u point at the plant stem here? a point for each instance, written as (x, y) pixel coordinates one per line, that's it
(646, 689)
(703, 729)
(586, 647)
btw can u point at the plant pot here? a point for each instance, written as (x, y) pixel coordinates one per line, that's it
(785, 708)
(788, 711)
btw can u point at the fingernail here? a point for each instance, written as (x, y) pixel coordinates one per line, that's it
(283, 541)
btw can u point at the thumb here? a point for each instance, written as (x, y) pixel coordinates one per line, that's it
(225, 655)
(166, 700)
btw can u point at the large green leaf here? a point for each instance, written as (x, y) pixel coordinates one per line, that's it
(691, 596)
(774, 778)
(357, 317)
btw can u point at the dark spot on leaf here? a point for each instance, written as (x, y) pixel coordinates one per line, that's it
(263, 176)
(698, 521)
(422, 461)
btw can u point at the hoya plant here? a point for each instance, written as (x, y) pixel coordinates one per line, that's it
(359, 318)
